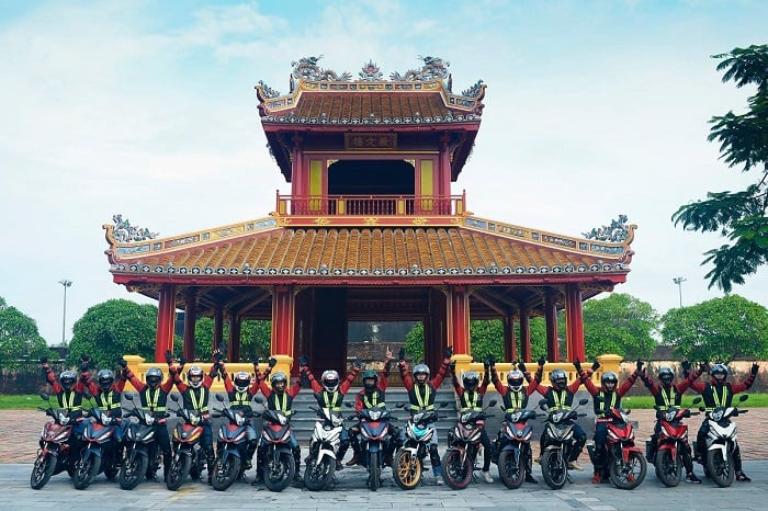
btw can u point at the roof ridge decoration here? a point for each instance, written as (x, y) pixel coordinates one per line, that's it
(618, 231)
(124, 232)
(370, 72)
(434, 68)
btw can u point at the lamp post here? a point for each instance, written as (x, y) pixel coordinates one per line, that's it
(65, 283)
(679, 281)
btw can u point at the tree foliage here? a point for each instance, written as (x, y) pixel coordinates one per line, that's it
(111, 329)
(414, 342)
(720, 329)
(739, 216)
(19, 338)
(255, 338)
(620, 324)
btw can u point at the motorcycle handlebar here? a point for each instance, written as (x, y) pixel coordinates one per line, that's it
(581, 415)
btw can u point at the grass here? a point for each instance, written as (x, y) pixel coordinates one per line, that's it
(642, 402)
(24, 402)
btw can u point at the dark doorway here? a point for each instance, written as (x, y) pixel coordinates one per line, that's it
(371, 177)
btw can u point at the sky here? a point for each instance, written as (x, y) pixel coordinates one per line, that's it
(593, 108)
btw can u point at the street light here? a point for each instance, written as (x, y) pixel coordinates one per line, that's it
(679, 281)
(65, 283)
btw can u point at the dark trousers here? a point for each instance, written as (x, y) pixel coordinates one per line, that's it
(601, 435)
(579, 440)
(163, 442)
(487, 450)
(685, 449)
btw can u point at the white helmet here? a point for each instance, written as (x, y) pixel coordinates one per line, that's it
(242, 381)
(196, 373)
(330, 380)
(515, 380)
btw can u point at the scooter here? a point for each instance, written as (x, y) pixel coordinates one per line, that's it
(671, 445)
(624, 461)
(323, 448)
(187, 457)
(54, 452)
(459, 459)
(141, 449)
(279, 465)
(558, 434)
(99, 453)
(408, 462)
(721, 442)
(232, 448)
(375, 438)
(513, 446)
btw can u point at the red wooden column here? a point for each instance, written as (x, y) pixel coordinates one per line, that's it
(459, 313)
(283, 313)
(525, 334)
(574, 323)
(190, 318)
(233, 343)
(166, 318)
(218, 327)
(444, 182)
(550, 317)
(510, 342)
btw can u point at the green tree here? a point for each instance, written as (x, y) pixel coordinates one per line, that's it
(255, 336)
(718, 330)
(19, 338)
(487, 339)
(111, 329)
(620, 324)
(739, 216)
(414, 342)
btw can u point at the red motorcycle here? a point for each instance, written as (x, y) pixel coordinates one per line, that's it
(671, 445)
(54, 453)
(625, 462)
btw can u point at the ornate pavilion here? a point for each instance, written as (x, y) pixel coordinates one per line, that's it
(371, 230)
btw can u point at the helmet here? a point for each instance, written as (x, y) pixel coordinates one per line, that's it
(153, 377)
(278, 378)
(666, 375)
(106, 378)
(195, 377)
(370, 379)
(330, 380)
(719, 370)
(67, 379)
(515, 379)
(609, 378)
(421, 369)
(242, 381)
(470, 380)
(558, 379)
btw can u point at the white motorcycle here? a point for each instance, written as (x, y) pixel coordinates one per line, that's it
(721, 443)
(323, 447)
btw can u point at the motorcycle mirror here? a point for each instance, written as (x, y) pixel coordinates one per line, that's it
(696, 400)
(220, 397)
(743, 398)
(348, 405)
(258, 399)
(444, 404)
(582, 402)
(400, 405)
(702, 409)
(128, 395)
(44, 396)
(174, 398)
(492, 403)
(543, 405)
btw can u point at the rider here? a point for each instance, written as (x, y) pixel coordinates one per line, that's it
(69, 390)
(240, 391)
(515, 397)
(107, 391)
(669, 394)
(279, 398)
(607, 396)
(560, 397)
(330, 393)
(154, 396)
(421, 394)
(717, 393)
(471, 392)
(371, 396)
(195, 395)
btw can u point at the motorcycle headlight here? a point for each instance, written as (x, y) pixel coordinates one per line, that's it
(283, 420)
(327, 427)
(374, 415)
(717, 415)
(149, 419)
(515, 417)
(465, 417)
(106, 420)
(239, 419)
(557, 417)
(671, 414)
(63, 418)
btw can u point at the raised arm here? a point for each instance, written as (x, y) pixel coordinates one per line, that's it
(486, 375)
(137, 384)
(455, 380)
(351, 375)
(405, 375)
(652, 386)
(630, 380)
(440, 376)
(747, 383)
(694, 382)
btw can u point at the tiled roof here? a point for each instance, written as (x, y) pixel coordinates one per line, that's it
(367, 252)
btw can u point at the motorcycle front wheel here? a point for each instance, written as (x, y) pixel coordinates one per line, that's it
(42, 471)
(720, 470)
(177, 472)
(132, 472)
(407, 469)
(85, 472)
(628, 476)
(318, 476)
(374, 471)
(278, 475)
(225, 471)
(669, 471)
(457, 475)
(554, 469)
(511, 472)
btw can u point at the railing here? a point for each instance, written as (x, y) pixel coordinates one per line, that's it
(371, 205)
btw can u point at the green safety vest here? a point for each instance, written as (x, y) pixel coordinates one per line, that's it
(200, 403)
(106, 400)
(470, 404)
(668, 397)
(516, 399)
(720, 401)
(331, 403)
(603, 408)
(153, 400)
(282, 405)
(423, 401)
(241, 398)
(374, 401)
(67, 400)
(560, 399)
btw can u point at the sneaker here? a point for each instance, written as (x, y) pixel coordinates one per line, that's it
(439, 481)
(597, 478)
(537, 460)
(572, 465)
(487, 476)
(529, 479)
(741, 476)
(339, 466)
(691, 478)
(354, 461)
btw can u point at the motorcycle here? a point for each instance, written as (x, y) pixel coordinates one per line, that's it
(671, 445)
(558, 431)
(99, 451)
(721, 442)
(624, 461)
(408, 462)
(53, 454)
(513, 446)
(278, 465)
(375, 441)
(323, 447)
(459, 459)
(232, 448)
(187, 456)
(141, 448)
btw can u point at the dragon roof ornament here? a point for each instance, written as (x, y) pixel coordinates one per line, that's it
(124, 232)
(617, 232)
(306, 68)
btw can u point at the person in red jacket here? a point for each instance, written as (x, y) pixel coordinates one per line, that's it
(607, 396)
(718, 393)
(241, 389)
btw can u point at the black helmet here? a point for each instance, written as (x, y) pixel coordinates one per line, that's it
(370, 379)
(609, 377)
(666, 375)
(242, 381)
(470, 380)
(153, 377)
(558, 378)
(719, 370)
(67, 379)
(277, 378)
(515, 379)
(106, 378)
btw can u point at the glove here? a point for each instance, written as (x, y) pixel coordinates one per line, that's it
(639, 365)
(492, 361)
(448, 352)
(685, 365)
(703, 367)
(85, 363)
(218, 356)
(43, 360)
(304, 380)
(255, 360)
(122, 363)
(357, 364)
(542, 361)
(577, 365)
(303, 361)
(401, 354)
(168, 357)
(272, 362)
(755, 368)
(452, 367)
(521, 366)
(595, 365)
(487, 362)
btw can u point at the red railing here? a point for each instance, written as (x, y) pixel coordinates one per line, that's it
(371, 205)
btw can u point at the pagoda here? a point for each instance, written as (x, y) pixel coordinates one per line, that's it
(371, 230)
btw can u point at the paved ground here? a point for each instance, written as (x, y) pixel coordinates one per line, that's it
(351, 494)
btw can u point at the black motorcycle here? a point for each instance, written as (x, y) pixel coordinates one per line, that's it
(187, 458)
(513, 447)
(279, 466)
(232, 445)
(53, 456)
(558, 443)
(100, 449)
(141, 448)
(375, 442)
(463, 443)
